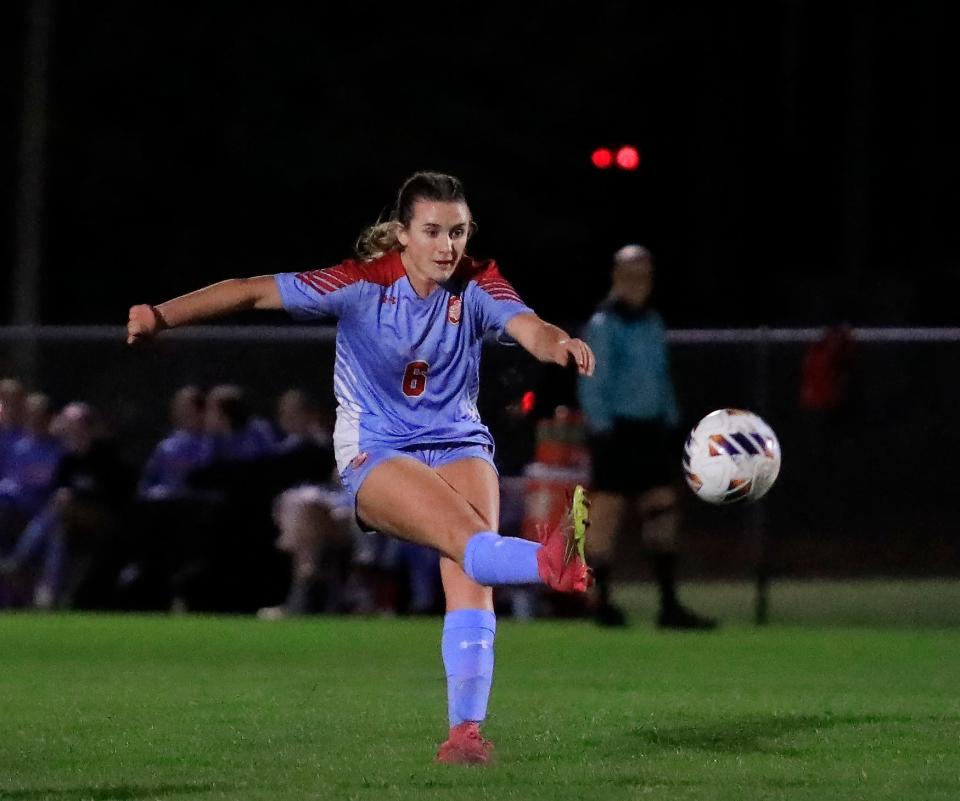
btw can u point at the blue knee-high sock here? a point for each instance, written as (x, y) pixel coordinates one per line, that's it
(490, 559)
(467, 647)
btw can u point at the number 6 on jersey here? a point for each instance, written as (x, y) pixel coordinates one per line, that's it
(415, 379)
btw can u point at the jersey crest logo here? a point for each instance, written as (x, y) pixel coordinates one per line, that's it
(454, 309)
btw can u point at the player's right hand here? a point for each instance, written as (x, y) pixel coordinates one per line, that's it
(143, 324)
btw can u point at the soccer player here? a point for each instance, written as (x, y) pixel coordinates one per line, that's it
(412, 314)
(631, 411)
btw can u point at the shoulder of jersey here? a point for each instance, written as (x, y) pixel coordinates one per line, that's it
(486, 275)
(383, 271)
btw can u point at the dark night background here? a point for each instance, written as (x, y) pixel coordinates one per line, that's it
(800, 159)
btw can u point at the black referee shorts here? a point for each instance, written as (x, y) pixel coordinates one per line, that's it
(635, 456)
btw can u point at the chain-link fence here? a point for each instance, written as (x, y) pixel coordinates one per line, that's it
(866, 487)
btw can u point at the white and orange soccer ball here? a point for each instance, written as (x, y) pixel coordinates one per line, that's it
(731, 455)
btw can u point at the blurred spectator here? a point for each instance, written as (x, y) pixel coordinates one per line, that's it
(30, 468)
(266, 431)
(632, 415)
(169, 519)
(233, 566)
(12, 411)
(233, 432)
(299, 421)
(305, 452)
(77, 535)
(392, 576)
(316, 528)
(304, 455)
(30, 574)
(183, 450)
(93, 490)
(199, 536)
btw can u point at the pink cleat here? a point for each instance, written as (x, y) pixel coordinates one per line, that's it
(465, 746)
(560, 560)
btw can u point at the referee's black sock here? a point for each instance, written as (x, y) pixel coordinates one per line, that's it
(601, 578)
(605, 613)
(673, 615)
(665, 571)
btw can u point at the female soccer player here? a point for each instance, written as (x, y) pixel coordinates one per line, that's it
(412, 313)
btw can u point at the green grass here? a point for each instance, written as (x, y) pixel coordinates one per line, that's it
(887, 603)
(109, 707)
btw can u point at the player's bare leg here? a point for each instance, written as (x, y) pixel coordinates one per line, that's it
(469, 625)
(460, 591)
(475, 481)
(606, 512)
(410, 500)
(443, 508)
(406, 498)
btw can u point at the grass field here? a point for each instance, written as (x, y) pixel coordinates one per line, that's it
(126, 707)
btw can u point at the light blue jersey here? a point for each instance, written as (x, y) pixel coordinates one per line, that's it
(407, 368)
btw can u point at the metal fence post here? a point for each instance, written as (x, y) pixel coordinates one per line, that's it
(758, 521)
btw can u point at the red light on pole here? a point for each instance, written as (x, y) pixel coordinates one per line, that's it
(528, 401)
(602, 158)
(628, 158)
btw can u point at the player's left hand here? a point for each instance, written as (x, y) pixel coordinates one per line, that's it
(579, 352)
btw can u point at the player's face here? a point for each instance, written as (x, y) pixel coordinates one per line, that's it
(633, 282)
(186, 411)
(434, 241)
(12, 399)
(38, 415)
(74, 428)
(293, 416)
(215, 421)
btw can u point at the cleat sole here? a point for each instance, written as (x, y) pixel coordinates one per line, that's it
(580, 520)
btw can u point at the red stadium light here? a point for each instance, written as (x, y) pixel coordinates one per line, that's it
(628, 158)
(528, 401)
(602, 158)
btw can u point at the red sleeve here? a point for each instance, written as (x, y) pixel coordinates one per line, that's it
(493, 297)
(331, 291)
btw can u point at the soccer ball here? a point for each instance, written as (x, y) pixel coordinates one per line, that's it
(731, 455)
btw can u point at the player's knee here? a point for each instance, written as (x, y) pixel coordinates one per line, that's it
(459, 533)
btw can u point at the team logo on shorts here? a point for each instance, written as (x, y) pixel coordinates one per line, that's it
(454, 309)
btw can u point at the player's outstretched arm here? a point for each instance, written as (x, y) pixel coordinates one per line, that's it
(225, 297)
(548, 343)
